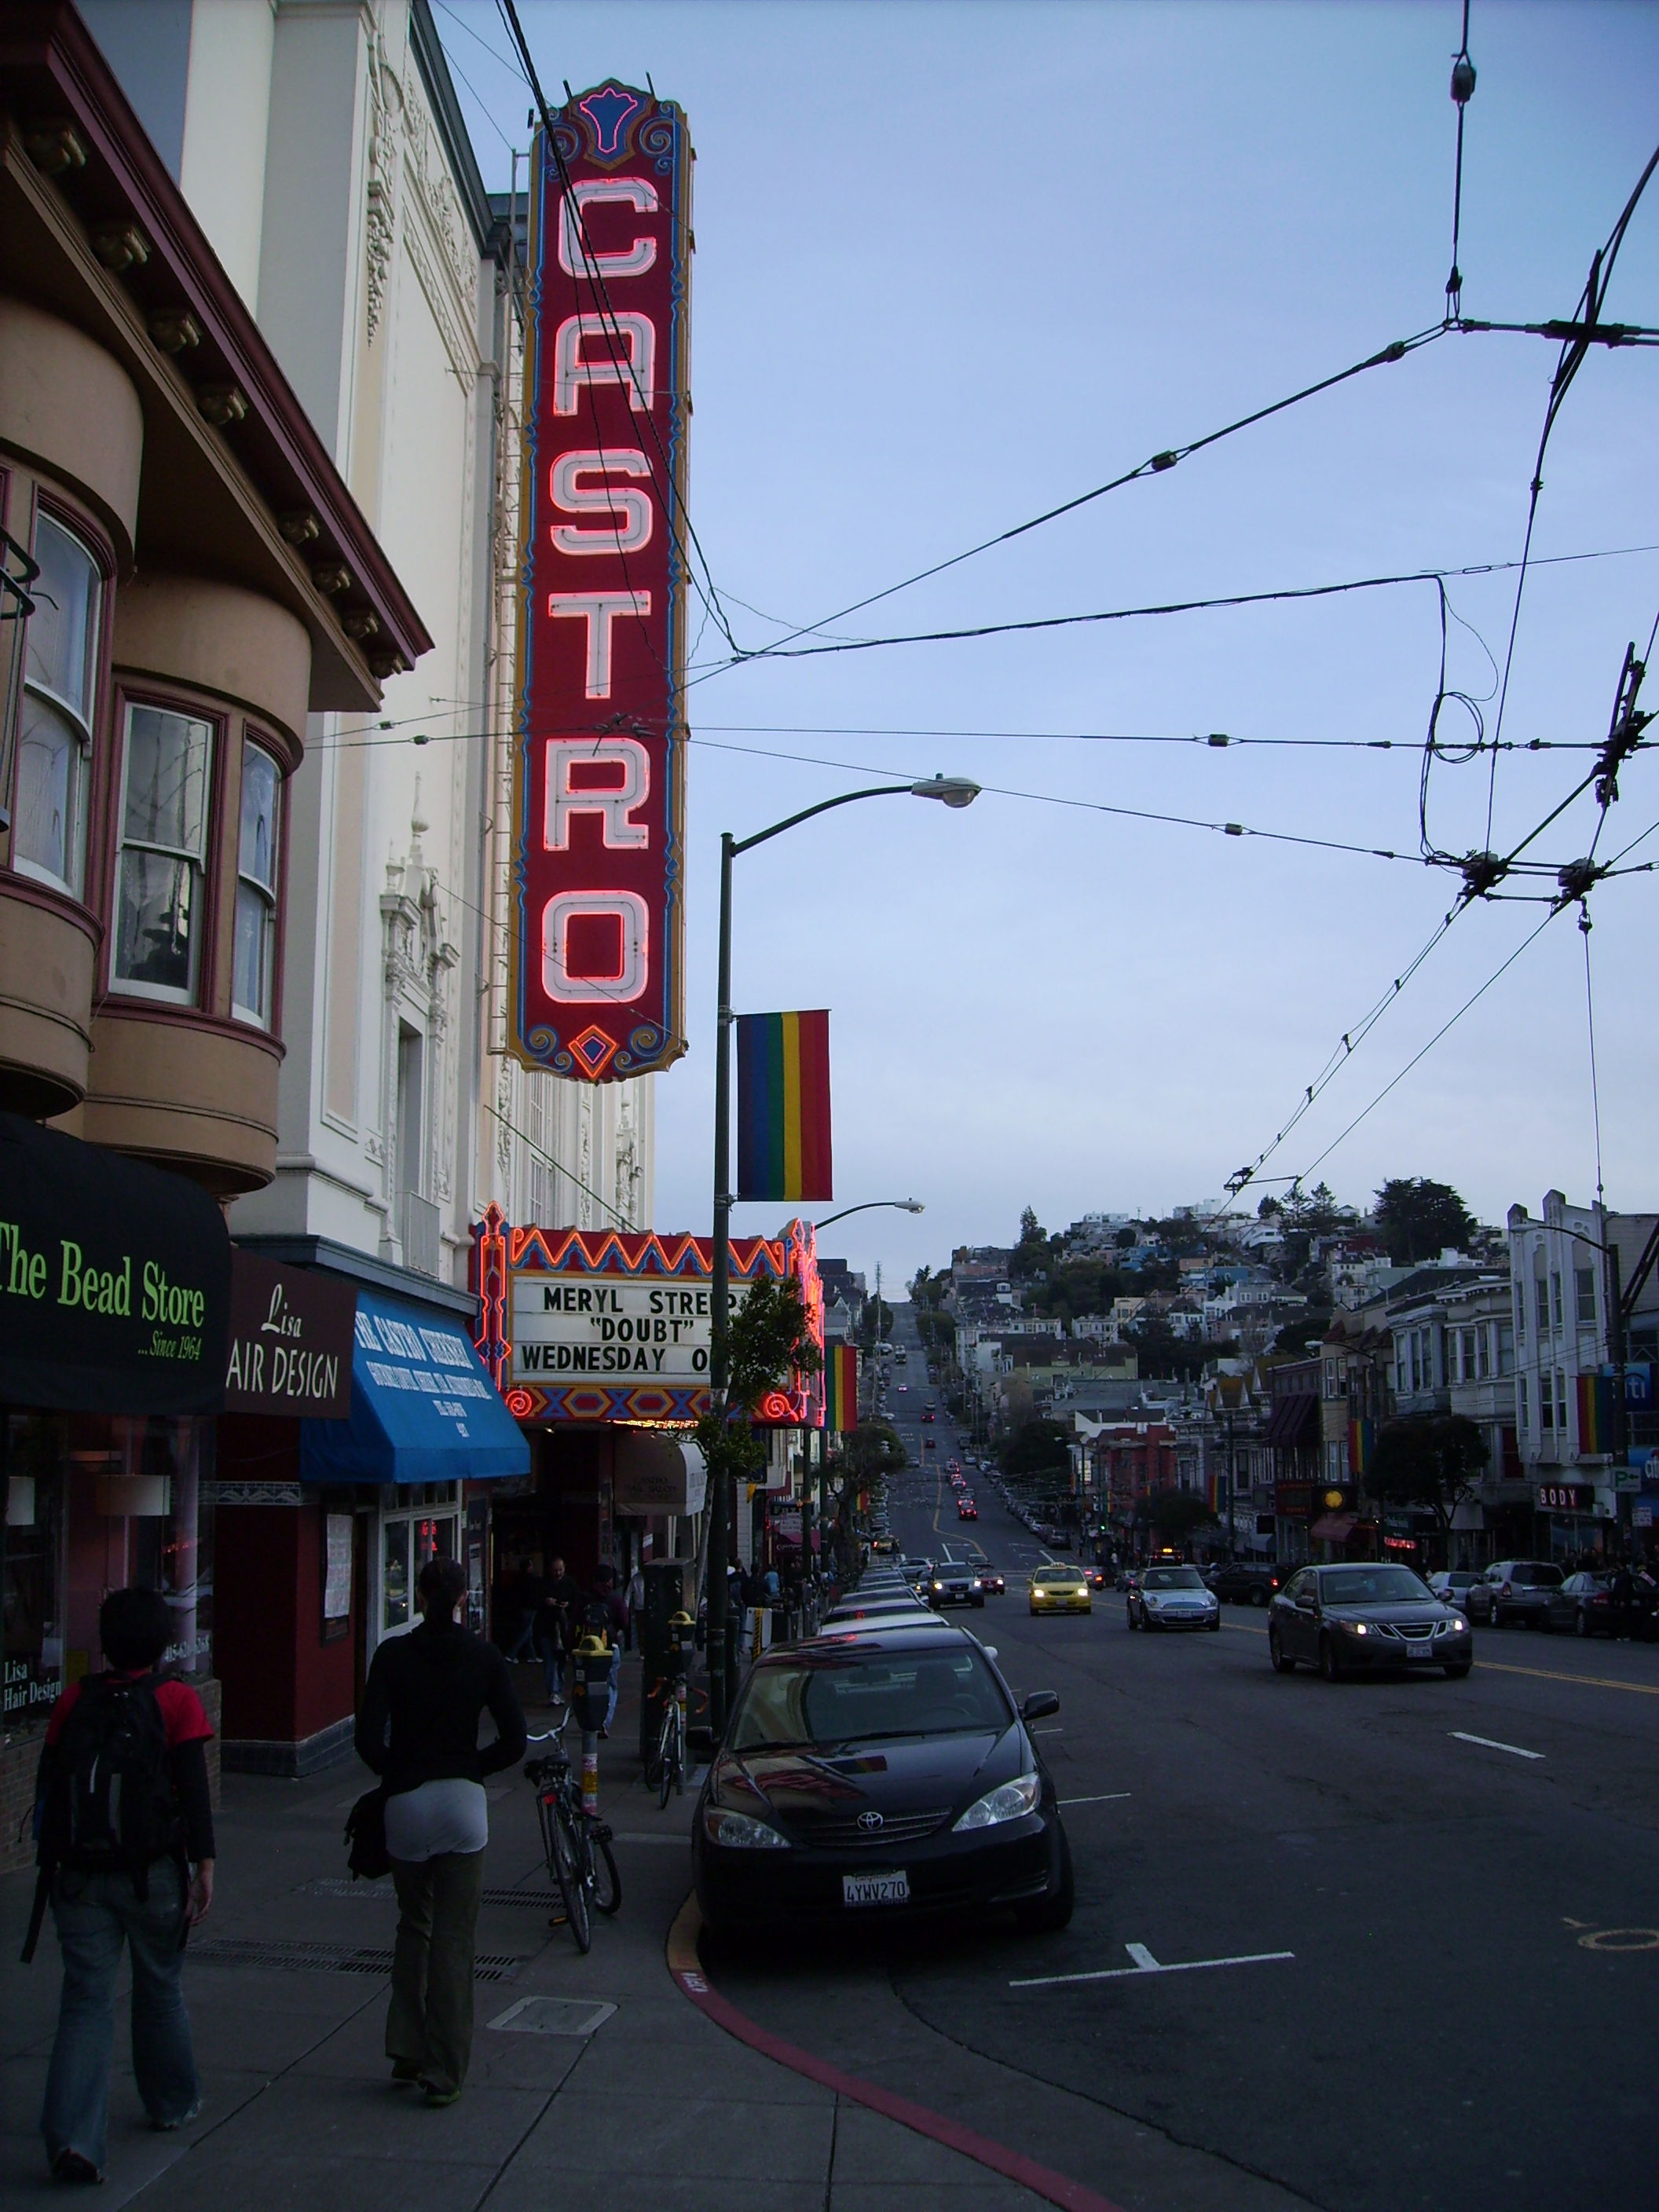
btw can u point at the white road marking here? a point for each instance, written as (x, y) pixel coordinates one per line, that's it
(1491, 1743)
(1145, 1964)
(1106, 1797)
(1053, 1731)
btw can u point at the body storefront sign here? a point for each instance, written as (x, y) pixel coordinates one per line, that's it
(570, 1325)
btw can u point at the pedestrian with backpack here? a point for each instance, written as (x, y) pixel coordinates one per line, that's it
(125, 1834)
(417, 1729)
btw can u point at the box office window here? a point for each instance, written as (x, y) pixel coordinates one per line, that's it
(255, 960)
(54, 740)
(160, 899)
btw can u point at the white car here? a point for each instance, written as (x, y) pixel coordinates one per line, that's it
(1173, 1597)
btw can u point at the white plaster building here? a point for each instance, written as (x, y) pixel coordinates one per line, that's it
(321, 147)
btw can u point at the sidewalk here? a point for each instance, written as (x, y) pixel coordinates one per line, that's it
(299, 2111)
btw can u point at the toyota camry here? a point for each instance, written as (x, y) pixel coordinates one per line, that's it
(878, 1776)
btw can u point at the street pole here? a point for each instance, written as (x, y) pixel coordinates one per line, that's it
(950, 790)
(720, 1302)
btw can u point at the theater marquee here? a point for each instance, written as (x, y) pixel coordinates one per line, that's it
(597, 908)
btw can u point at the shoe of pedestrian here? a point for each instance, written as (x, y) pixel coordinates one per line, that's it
(165, 2127)
(69, 2165)
(405, 2069)
(434, 2096)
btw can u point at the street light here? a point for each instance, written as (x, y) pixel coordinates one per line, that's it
(951, 791)
(900, 1205)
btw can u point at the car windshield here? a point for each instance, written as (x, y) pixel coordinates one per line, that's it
(1373, 1586)
(1173, 1578)
(835, 1697)
(1055, 1575)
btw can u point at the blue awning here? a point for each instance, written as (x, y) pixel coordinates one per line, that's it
(424, 1409)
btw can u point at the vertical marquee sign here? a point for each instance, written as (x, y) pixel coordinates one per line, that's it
(598, 911)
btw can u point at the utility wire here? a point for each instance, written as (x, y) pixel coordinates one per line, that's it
(1155, 465)
(1463, 88)
(1584, 926)
(1396, 1080)
(1575, 351)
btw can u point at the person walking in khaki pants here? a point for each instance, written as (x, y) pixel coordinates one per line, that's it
(418, 1729)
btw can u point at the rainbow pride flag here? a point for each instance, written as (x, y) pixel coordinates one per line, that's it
(783, 1107)
(1595, 1414)
(840, 1389)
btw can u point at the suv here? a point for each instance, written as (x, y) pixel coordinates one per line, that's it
(1520, 1590)
(1244, 1581)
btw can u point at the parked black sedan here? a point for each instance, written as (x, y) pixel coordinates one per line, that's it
(1349, 1620)
(884, 1776)
(1584, 1605)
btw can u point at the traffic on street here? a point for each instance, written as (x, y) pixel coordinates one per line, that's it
(1360, 1944)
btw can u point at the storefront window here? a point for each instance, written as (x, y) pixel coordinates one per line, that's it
(35, 1464)
(164, 825)
(55, 739)
(256, 889)
(408, 1540)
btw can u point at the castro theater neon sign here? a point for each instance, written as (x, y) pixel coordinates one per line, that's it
(600, 759)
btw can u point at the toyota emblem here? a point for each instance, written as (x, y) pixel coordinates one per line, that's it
(870, 1822)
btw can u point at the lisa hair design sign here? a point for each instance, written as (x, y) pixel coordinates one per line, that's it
(599, 756)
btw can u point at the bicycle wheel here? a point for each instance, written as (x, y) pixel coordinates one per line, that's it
(607, 1883)
(568, 1870)
(667, 1747)
(677, 1756)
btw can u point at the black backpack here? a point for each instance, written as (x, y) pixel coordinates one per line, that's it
(111, 1806)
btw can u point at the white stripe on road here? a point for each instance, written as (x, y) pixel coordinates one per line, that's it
(1107, 1797)
(1491, 1743)
(1145, 1964)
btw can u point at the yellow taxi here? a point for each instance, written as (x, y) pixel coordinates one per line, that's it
(1059, 1589)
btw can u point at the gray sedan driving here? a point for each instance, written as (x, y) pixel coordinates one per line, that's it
(1361, 1619)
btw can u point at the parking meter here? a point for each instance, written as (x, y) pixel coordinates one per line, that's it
(591, 1698)
(677, 1657)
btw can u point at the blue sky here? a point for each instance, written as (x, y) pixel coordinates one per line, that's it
(959, 262)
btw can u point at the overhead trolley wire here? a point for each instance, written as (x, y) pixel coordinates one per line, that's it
(1155, 464)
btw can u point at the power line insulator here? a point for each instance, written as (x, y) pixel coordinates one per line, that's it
(1462, 79)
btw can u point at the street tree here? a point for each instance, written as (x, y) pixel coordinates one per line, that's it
(1430, 1461)
(1177, 1515)
(768, 1339)
(1038, 1447)
(1417, 1219)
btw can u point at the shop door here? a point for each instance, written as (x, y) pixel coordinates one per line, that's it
(408, 1541)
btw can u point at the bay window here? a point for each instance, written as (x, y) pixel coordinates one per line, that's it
(160, 906)
(255, 958)
(54, 744)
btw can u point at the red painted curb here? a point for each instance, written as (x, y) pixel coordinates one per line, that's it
(1041, 2180)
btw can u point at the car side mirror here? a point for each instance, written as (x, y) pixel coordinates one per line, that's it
(1039, 1705)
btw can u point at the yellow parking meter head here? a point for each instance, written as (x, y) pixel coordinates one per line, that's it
(592, 1647)
(681, 1619)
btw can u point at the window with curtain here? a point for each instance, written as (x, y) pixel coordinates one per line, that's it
(255, 960)
(54, 737)
(160, 899)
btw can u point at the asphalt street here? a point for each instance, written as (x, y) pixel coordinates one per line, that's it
(1418, 1918)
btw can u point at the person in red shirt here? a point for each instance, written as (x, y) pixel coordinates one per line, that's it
(143, 1888)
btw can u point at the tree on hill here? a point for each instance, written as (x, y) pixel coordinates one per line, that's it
(1417, 1219)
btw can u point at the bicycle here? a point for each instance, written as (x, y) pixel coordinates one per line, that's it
(576, 1844)
(664, 1766)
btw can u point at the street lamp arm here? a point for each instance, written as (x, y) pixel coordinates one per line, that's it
(902, 1205)
(846, 798)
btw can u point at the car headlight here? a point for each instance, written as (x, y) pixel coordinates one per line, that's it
(1459, 1625)
(1011, 1800)
(939, 1586)
(1356, 1627)
(740, 1831)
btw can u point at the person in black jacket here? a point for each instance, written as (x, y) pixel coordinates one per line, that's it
(418, 1730)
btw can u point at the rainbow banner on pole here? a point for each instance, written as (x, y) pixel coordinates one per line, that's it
(840, 1389)
(783, 1107)
(1595, 1414)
